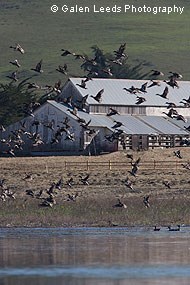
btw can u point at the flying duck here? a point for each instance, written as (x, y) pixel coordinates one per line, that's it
(98, 96)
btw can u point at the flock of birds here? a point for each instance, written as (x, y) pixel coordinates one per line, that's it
(65, 189)
(48, 196)
(16, 139)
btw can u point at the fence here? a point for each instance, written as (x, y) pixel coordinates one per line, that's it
(115, 165)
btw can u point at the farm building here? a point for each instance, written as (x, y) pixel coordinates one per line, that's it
(115, 95)
(57, 128)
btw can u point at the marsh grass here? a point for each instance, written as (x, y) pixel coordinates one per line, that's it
(94, 204)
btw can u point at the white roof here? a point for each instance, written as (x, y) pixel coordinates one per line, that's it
(114, 94)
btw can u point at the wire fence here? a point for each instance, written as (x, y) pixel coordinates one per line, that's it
(116, 165)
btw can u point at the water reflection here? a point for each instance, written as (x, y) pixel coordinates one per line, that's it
(94, 256)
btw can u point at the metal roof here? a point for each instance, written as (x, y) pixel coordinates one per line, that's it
(147, 125)
(96, 121)
(163, 125)
(114, 94)
(180, 123)
(133, 125)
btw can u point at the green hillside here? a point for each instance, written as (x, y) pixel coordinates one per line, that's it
(160, 39)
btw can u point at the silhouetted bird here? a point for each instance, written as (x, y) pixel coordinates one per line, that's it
(156, 229)
(140, 100)
(143, 88)
(82, 84)
(117, 125)
(165, 93)
(120, 52)
(30, 192)
(15, 62)
(179, 117)
(38, 67)
(131, 90)
(72, 197)
(154, 83)
(18, 47)
(170, 105)
(130, 156)
(175, 75)
(112, 112)
(62, 69)
(83, 102)
(187, 100)
(157, 73)
(70, 182)
(167, 184)
(13, 76)
(128, 183)
(171, 113)
(84, 180)
(177, 153)
(146, 201)
(98, 96)
(172, 82)
(174, 229)
(120, 204)
(66, 52)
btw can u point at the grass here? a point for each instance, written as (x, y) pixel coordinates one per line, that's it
(162, 40)
(94, 204)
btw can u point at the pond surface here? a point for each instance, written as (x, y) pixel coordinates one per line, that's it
(114, 256)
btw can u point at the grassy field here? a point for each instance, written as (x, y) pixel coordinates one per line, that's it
(94, 205)
(162, 40)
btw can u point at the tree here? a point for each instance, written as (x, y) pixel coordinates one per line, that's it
(13, 98)
(113, 65)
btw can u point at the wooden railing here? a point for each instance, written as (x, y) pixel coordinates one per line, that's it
(116, 165)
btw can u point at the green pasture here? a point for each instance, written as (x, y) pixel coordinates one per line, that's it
(162, 40)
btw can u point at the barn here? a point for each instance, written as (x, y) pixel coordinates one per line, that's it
(117, 96)
(56, 128)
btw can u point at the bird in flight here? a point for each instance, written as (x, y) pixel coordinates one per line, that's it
(66, 52)
(13, 76)
(98, 96)
(15, 63)
(165, 93)
(82, 84)
(140, 100)
(146, 201)
(156, 73)
(18, 47)
(38, 67)
(112, 112)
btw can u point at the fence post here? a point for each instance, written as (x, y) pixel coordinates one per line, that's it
(109, 164)
(87, 165)
(154, 164)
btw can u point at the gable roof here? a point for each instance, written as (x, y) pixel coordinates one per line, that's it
(114, 94)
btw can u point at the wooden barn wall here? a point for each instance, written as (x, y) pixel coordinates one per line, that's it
(52, 114)
(99, 144)
(158, 111)
(104, 109)
(139, 142)
(70, 90)
(48, 113)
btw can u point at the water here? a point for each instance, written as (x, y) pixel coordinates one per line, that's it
(115, 256)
